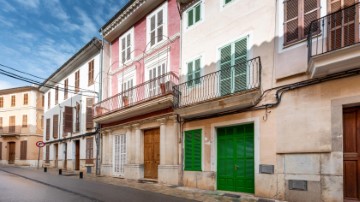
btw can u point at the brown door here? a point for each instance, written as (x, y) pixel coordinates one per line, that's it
(11, 152)
(77, 155)
(65, 158)
(56, 155)
(151, 153)
(352, 154)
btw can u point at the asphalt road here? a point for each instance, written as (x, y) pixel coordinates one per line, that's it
(21, 184)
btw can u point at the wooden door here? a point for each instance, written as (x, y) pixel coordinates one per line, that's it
(11, 152)
(65, 156)
(77, 155)
(351, 147)
(235, 158)
(151, 153)
(56, 155)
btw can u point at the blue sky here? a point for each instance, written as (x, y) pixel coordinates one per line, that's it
(38, 36)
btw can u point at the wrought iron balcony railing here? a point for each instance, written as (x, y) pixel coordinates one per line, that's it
(151, 89)
(334, 31)
(240, 78)
(12, 130)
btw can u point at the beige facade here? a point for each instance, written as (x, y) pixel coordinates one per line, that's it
(21, 112)
(296, 113)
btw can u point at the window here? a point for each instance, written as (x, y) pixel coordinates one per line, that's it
(42, 122)
(12, 124)
(24, 121)
(89, 150)
(23, 150)
(26, 99)
(227, 1)
(193, 149)
(0, 150)
(66, 87)
(56, 95)
(156, 25)
(153, 74)
(77, 81)
(194, 15)
(91, 73)
(47, 129)
(77, 121)
(298, 15)
(233, 66)
(13, 101)
(193, 73)
(49, 99)
(89, 113)
(67, 120)
(42, 101)
(1, 102)
(126, 46)
(1, 122)
(55, 126)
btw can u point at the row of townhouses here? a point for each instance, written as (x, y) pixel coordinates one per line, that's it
(251, 96)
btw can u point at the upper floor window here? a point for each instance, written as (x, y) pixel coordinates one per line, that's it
(1, 102)
(49, 99)
(91, 73)
(194, 14)
(126, 46)
(56, 95)
(24, 121)
(1, 122)
(193, 72)
(66, 87)
(13, 101)
(156, 29)
(77, 81)
(227, 1)
(298, 15)
(26, 99)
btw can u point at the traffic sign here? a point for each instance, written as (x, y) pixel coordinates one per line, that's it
(40, 144)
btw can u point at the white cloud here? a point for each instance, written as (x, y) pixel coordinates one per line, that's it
(87, 27)
(56, 9)
(6, 22)
(6, 84)
(29, 3)
(5, 6)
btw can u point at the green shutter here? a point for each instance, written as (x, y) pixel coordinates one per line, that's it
(240, 69)
(197, 71)
(190, 74)
(227, 1)
(190, 17)
(197, 13)
(193, 149)
(225, 67)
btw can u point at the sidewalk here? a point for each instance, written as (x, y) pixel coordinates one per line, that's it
(182, 192)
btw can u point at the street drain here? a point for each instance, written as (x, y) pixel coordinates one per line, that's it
(232, 195)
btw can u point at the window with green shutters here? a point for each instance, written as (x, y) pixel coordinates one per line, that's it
(227, 1)
(233, 66)
(192, 149)
(194, 15)
(193, 73)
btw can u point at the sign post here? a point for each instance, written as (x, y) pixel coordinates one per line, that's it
(39, 144)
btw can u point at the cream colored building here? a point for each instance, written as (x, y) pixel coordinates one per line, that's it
(264, 108)
(21, 111)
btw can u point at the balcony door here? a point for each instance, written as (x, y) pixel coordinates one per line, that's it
(153, 73)
(128, 91)
(343, 25)
(233, 67)
(126, 83)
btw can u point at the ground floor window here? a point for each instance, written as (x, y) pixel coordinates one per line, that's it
(90, 150)
(192, 142)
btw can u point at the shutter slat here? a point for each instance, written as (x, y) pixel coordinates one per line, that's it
(56, 126)
(68, 120)
(47, 129)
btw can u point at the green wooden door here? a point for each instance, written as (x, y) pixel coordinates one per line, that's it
(235, 158)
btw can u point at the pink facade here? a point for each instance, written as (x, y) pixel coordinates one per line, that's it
(171, 41)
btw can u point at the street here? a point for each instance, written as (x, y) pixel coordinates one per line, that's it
(21, 184)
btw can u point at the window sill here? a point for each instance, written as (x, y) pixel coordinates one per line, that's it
(287, 45)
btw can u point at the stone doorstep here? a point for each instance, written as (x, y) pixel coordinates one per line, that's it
(148, 181)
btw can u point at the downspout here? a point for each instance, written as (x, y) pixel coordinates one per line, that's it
(98, 126)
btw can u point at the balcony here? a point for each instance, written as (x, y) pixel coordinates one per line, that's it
(150, 96)
(333, 42)
(11, 131)
(232, 88)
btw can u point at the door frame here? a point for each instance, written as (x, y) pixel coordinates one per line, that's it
(213, 150)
